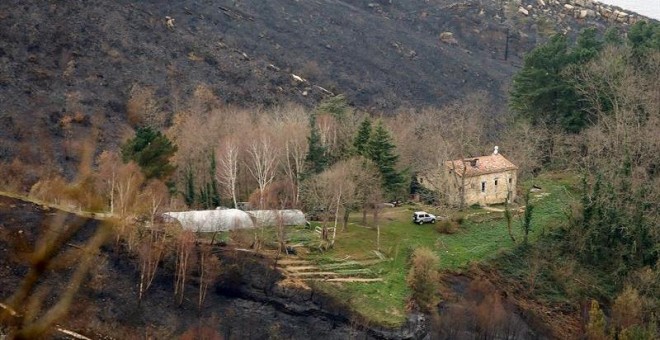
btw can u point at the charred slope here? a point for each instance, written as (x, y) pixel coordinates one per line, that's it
(248, 302)
(80, 59)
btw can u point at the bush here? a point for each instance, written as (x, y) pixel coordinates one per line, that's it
(423, 278)
(447, 227)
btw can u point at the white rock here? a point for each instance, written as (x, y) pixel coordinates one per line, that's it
(298, 78)
(583, 14)
(523, 11)
(568, 7)
(541, 3)
(448, 38)
(605, 12)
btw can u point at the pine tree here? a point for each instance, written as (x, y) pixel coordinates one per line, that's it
(337, 106)
(152, 151)
(361, 142)
(527, 217)
(316, 156)
(644, 39)
(545, 90)
(189, 194)
(203, 196)
(214, 194)
(382, 152)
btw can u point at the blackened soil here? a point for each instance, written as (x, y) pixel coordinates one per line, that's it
(247, 303)
(66, 58)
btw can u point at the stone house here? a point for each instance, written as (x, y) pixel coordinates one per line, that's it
(476, 180)
(482, 180)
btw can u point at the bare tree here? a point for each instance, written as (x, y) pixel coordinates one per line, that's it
(144, 108)
(319, 196)
(368, 192)
(453, 133)
(290, 127)
(128, 184)
(262, 163)
(154, 196)
(208, 272)
(109, 163)
(526, 146)
(296, 151)
(185, 245)
(150, 252)
(343, 189)
(626, 107)
(227, 172)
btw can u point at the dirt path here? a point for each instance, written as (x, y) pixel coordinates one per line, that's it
(336, 271)
(69, 209)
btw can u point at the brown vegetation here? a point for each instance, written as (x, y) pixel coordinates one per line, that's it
(424, 279)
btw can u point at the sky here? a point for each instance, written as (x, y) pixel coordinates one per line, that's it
(649, 8)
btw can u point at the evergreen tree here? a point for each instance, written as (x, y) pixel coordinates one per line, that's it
(337, 106)
(189, 194)
(527, 217)
(316, 156)
(152, 151)
(545, 89)
(613, 36)
(382, 152)
(214, 193)
(539, 90)
(203, 196)
(587, 47)
(361, 141)
(339, 109)
(644, 38)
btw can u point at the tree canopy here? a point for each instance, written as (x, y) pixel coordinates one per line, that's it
(361, 141)
(152, 151)
(546, 89)
(382, 152)
(317, 153)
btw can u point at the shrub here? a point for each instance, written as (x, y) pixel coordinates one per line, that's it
(423, 278)
(447, 227)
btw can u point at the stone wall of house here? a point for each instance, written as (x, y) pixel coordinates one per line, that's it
(492, 193)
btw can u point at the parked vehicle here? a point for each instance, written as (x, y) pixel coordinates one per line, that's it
(421, 217)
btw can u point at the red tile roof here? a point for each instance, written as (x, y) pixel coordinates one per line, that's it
(484, 165)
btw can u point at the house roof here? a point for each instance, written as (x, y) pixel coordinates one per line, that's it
(483, 165)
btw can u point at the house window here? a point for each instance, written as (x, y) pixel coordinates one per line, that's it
(496, 181)
(510, 180)
(483, 186)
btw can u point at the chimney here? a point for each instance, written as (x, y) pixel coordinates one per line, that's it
(495, 150)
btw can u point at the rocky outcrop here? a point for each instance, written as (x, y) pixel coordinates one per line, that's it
(578, 9)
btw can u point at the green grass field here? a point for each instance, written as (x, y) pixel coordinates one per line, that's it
(482, 236)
